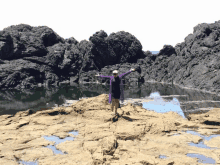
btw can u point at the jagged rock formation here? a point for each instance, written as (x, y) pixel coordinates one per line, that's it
(193, 63)
(51, 59)
(37, 55)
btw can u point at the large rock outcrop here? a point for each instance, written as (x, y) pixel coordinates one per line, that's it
(24, 40)
(120, 47)
(37, 55)
(104, 50)
(137, 136)
(193, 63)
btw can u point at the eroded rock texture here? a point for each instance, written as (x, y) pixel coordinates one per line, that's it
(137, 136)
(33, 55)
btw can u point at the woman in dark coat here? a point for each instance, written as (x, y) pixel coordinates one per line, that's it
(116, 91)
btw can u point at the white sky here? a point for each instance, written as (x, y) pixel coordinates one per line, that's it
(153, 22)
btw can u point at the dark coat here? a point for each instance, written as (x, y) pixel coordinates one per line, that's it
(121, 86)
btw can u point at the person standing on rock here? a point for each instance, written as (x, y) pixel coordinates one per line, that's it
(116, 89)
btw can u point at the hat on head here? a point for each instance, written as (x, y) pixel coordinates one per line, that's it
(115, 71)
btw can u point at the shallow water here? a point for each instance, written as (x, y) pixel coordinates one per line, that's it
(202, 136)
(201, 143)
(202, 158)
(55, 150)
(28, 163)
(57, 140)
(161, 106)
(162, 157)
(191, 101)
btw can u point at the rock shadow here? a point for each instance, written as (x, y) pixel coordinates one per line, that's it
(211, 122)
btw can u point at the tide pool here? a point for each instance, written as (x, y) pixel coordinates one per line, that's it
(161, 106)
(57, 140)
(202, 158)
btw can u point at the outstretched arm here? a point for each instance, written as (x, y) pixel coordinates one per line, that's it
(125, 74)
(103, 76)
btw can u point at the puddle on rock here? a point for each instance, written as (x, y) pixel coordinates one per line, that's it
(201, 143)
(55, 150)
(202, 158)
(74, 133)
(162, 157)
(57, 140)
(161, 106)
(27, 163)
(202, 136)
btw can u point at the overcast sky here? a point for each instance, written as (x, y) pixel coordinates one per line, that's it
(153, 22)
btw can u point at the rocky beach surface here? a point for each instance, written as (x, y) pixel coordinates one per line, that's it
(137, 136)
(32, 57)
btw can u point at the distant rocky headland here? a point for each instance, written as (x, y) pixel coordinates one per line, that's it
(35, 56)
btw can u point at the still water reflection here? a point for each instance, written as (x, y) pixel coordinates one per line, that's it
(188, 100)
(161, 106)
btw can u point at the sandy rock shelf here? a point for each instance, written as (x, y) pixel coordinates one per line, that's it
(138, 136)
(126, 101)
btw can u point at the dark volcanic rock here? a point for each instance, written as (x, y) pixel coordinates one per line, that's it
(132, 78)
(32, 55)
(120, 47)
(151, 57)
(23, 40)
(18, 72)
(167, 50)
(71, 40)
(37, 55)
(104, 50)
(84, 46)
(126, 46)
(204, 40)
(195, 63)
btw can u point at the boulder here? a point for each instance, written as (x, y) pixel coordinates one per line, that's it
(23, 73)
(71, 40)
(167, 50)
(120, 47)
(24, 40)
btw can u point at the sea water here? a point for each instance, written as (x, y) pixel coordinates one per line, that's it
(161, 106)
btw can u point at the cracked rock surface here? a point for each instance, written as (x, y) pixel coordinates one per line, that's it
(138, 137)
